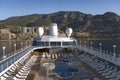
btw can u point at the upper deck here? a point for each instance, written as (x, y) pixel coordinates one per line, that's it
(54, 41)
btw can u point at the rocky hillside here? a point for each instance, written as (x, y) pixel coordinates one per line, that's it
(104, 25)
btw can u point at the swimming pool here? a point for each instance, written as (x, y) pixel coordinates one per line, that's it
(62, 68)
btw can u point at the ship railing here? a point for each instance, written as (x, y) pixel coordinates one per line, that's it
(15, 51)
(9, 61)
(101, 54)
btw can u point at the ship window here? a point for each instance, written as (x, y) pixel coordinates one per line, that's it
(68, 43)
(34, 43)
(58, 43)
(46, 43)
(65, 43)
(40, 43)
(55, 43)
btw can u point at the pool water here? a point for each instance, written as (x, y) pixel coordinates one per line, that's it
(47, 64)
(62, 68)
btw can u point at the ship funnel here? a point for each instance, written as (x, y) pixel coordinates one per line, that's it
(69, 32)
(53, 29)
(40, 31)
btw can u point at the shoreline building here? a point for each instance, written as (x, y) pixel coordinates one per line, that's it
(5, 34)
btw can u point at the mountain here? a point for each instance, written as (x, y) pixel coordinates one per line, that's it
(104, 25)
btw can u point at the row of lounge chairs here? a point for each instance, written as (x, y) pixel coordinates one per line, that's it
(102, 67)
(20, 68)
(12, 71)
(24, 71)
(55, 56)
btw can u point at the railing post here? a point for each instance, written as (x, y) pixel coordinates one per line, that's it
(21, 45)
(114, 47)
(91, 45)
(14, 48)
(4, 55)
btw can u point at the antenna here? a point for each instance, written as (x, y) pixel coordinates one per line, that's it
(69, 32)
(40, 31)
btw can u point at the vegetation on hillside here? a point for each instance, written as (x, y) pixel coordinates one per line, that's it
(107, 24)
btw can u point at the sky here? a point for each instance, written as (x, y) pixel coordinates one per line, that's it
(10, 8)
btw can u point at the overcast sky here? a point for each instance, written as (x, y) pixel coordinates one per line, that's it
(9, 8)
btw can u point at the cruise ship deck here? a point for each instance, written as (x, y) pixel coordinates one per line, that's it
(56, 57)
